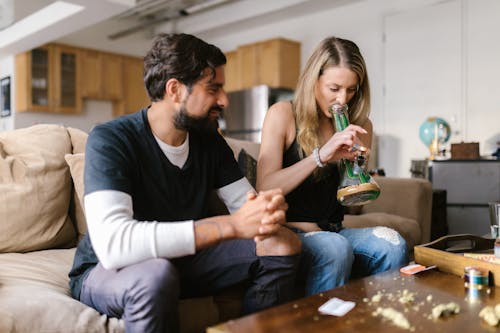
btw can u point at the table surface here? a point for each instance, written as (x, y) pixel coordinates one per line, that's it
(303, 316)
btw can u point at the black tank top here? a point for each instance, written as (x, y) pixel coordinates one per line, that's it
(315, 200)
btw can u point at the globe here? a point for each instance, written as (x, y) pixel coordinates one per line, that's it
(434, 133)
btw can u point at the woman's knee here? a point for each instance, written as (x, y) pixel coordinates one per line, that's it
(393, 246)
(328, 247)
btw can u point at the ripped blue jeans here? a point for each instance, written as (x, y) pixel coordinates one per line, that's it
(329, 259)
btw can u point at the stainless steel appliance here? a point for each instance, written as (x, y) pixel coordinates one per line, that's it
(247, 108)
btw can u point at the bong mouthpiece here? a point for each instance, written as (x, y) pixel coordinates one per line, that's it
(338, 108)
(340, 117)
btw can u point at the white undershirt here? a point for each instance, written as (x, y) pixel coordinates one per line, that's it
(176, 155)
(119, 240)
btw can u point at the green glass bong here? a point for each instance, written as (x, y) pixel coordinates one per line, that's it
(356, 186)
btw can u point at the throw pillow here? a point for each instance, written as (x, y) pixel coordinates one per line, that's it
(35, 189)
(248, 166)
(76, 163)
(78, 139)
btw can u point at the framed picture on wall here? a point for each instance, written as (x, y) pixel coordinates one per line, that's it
(5, 97)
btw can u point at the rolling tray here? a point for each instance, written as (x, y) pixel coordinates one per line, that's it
(447, 253)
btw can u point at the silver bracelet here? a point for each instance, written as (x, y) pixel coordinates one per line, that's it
(317, 158)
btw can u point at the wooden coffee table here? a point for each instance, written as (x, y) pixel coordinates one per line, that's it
(303, 316)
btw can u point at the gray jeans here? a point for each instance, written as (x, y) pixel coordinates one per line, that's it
(145, 295)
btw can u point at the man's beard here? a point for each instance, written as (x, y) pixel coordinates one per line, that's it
(183, 121)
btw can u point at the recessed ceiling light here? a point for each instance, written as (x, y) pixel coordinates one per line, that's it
(39, 20)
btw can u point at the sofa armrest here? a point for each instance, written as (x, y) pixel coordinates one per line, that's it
(252, 148)
(406, 197)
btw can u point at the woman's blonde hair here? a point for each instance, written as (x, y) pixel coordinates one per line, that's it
(330, 52)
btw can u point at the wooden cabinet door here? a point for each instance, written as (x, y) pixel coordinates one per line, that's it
(232, 72)
(92, 85)
(248, 65)
(34, 80)
(67, 76)
(55, 78)
(135, 96)
(112, 76)
(102, 76)
(279, 63)
(274, 62)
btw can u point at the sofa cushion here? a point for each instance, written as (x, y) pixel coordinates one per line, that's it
(409, 229)
(34, 296)
(35, 189)
(78, 140)
(76, 163)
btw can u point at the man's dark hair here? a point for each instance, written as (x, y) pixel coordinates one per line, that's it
(180, 56)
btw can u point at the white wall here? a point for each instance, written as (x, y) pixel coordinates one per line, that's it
(93, 113)
(423, 78)
(447, 67)
(482, 71)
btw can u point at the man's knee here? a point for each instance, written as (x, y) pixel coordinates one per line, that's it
(284, 243)
(152, 300)
(159, 280)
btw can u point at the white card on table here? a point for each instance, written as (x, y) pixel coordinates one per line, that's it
(336, 307)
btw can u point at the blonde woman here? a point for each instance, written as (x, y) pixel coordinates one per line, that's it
(298, 154)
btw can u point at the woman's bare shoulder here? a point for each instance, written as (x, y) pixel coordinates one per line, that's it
(367, 124)
(281, 110)
(280, 122)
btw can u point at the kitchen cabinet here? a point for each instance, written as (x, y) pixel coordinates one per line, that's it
(274, 62)
(134, 96)
(232, 72)
(102, 75)
(279, 63)
(248, 62)
(55, 78)
(48, 79)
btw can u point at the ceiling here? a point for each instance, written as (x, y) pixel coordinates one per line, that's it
(106, 24)
(147, 14)
(127, 26)
(21, 12)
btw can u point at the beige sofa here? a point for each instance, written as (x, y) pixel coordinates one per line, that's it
(41, 220)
